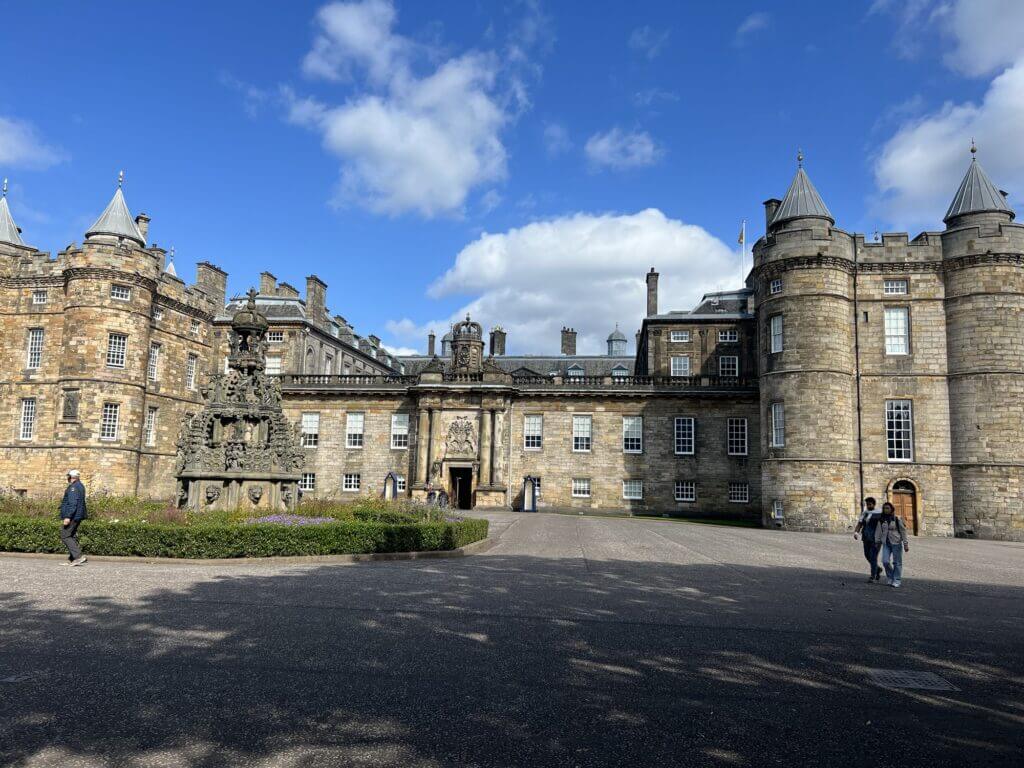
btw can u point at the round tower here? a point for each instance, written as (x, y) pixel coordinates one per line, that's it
(983, 268)
(803, 280)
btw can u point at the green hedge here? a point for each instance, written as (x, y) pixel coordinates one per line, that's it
(215, 540)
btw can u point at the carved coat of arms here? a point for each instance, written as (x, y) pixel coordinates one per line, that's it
(461, 439)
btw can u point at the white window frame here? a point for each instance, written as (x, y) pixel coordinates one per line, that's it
(275, 337)
(775, 286)
(739, 493)
(777, 416)
(683, 367)
(897, 331)
(533, 432)
(735, 361)
(581, 487)
(351, 482)
(355, 427)
(191, 364)
(158, 313)
(307, 482)
(895, 286)
(632, 434)
(574, 371)
(728, 336)
(400, 484)
(899, 431)
(153, 364)
(582, 433)
(777, 509)
(273, 365)
(776, 334)
(679, 337)
(684, 435)
(110, 421)
(149, 427)
(400, 431)
(737, 437)
(120, 292)
(309, 429)
(619, 372)
(34, 348)
(194, 327)
(28, 419)
(40, 296)
(633, 490)
(685, 491)
(117, 349)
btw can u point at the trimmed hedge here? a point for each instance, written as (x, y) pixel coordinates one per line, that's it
(223, 540)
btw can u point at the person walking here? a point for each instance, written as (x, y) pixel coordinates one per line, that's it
(866, 531)
(891, 536)
(72, 513)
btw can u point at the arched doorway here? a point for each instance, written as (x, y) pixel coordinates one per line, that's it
(904, 499)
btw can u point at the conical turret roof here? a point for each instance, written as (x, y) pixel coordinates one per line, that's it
(8, 229)
(977, 194)
(617, 335)
(116, 221)
(802, 200)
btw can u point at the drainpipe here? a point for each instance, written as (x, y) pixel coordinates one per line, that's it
(856, 359)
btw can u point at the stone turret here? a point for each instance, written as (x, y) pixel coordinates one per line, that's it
(467, 347)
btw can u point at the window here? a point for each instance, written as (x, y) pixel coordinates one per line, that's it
(684, 431)
(778, 425)
(775, 286)
(632, 434)
(581, 433)
(575, 371)
(308, 481)
(897, 330)
(729, 336)
(149, 429)
(153, 368)
(275, 337)
(633, 489)
(273, 364)
(777, 509)
(34, 358)
(536, 486)
(354, 430)
(581, 487)
(351, 482)
(728, 365)
(686, 490)
(190, 371)
(899, 430)
(739, 493)
(533, 432)
(616, 372)
(775, 333)
(158, 313)
(39, 297)
(895, 287)
(400, 483)
(679, 336)
(28, 418)
(109, 421)
(120, 292)
(737, 437)
(117, 344)
(680, 365)
(328, 363)
(400, 430)
(193, 327)
(310, 430)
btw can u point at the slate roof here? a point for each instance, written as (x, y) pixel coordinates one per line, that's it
(116, 221)
(721, 305)
(801, 201)
(977, 194)
(539, 365)
(8, 229)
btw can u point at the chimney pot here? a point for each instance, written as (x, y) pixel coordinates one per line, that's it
(430, 344)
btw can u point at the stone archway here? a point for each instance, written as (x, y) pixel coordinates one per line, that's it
(905, 496)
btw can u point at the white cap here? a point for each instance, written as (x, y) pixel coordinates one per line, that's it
(72, 473)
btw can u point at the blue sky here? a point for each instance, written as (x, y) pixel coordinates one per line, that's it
(525, 161)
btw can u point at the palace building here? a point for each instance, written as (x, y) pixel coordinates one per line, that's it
(842, 368)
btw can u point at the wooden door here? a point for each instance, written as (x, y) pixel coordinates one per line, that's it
(903, 501)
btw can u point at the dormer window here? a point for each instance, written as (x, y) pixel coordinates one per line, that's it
(120, 292)
(619, 371)
(575, 370)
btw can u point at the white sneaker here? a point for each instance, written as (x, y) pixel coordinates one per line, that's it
(80, 561)
(895, 584)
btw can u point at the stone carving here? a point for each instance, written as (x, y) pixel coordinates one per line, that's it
(461, 440)
(241, 433)
(255, 494)
(71, 398)
(212, 493)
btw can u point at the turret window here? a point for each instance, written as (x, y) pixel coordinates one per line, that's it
(775, 334)
(120, 292)
(149, 429)
(109, 421)
(28, 418)
(778, 415)
(190, 371)
(775, 286)
(897, 331)
(153, 369)
(117, 346)
(34, 358)
(39, 297)
(193, 327)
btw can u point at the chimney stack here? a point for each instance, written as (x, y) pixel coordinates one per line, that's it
(652, 293)
(771, 205)
(316, 299)
(497, 340)
(430, 344)
(268, 284)
(142, 222)
(568, 341)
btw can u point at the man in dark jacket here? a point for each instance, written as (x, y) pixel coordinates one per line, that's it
(72, 513)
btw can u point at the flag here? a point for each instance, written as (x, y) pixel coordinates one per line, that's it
(743, 233)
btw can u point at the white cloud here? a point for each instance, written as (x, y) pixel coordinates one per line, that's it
(409, 141)
(650, 96)
(987, 33)
(556, 139)
(403, 351)
(621, 150)
(755, 22)
(584, 270)
(648, 42)
(22, 147)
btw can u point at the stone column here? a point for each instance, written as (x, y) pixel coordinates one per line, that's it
(422, 440)
(497, 475)
(485, 448)
(432, 452)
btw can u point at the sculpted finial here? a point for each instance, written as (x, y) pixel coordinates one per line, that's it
(5, 187)
(974, 149)
(120, 179)
(799, 158)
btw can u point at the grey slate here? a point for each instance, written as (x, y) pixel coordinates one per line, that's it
(801, 201)
(116, 221)
(8, 229)
(977, 194)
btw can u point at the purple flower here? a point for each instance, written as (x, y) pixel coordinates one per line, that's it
(291, 520)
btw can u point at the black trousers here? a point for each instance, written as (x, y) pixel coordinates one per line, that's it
(69, 537)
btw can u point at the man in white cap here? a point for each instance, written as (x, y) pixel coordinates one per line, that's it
(72, 513)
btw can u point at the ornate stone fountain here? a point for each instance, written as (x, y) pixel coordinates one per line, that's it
(240, 449)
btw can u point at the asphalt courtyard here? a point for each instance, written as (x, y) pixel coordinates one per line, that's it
(573, 641)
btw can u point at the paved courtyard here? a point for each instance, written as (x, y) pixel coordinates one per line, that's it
(573, 641)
